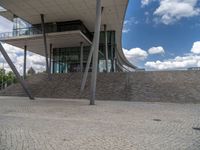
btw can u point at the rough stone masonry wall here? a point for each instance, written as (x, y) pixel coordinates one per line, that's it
(166, 86)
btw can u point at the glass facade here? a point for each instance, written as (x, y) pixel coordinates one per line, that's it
(20, 27)
(65, 26)
(67, 59)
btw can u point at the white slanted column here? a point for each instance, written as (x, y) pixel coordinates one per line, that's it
(89, 59)
(12, 66)
(81, 57)
(106, 46)
(95, 53)
(25, 54)
(87, 67)
(45, 45)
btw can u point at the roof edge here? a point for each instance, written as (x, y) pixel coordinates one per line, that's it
(126, 61)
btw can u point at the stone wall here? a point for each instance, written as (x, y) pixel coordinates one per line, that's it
(168, 86)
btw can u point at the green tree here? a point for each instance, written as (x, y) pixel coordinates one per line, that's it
(6, 78)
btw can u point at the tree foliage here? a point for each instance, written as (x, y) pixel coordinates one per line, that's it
(6, 78)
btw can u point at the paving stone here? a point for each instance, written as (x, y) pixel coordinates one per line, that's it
(55, 124)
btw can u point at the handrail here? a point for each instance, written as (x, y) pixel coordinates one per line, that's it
(20, 32)
(37, 30)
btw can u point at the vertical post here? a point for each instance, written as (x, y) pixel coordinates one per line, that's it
(115, 59)
(111, 51)
(112, 58)
(50, 59)
(45, 45)
(81, 57)
(95, 53)
(106, 46)
(2, 76)
(25, 54)
(12, 66)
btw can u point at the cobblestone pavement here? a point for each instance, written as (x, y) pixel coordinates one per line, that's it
(74, 125)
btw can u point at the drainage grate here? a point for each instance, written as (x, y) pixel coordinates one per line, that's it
(198, 129)
(158, 120)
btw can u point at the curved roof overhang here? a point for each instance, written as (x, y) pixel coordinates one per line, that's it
(122, 58)
(65, 10)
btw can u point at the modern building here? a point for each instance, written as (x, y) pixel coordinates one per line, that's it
(69, 33)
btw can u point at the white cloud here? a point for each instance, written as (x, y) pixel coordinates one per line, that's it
(146, 13)
(128, 23)
(196, 48)
(156, 50)
(17, 57)
(135, 54)
(126, 30)
(125, 27)
(179, 62)
(176, 63)
(146, 2)
(171, 11)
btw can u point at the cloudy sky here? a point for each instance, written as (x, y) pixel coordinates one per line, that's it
(17, 55)
(163, 34)
(157, 35)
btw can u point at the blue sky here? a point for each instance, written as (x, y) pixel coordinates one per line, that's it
(171, 25)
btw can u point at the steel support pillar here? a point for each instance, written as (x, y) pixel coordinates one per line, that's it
(50, 62)
(45, 45)
(112, 60)
(25, 54)
(106, 46)
(12, 66)
(81, 57)
(95, 53)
